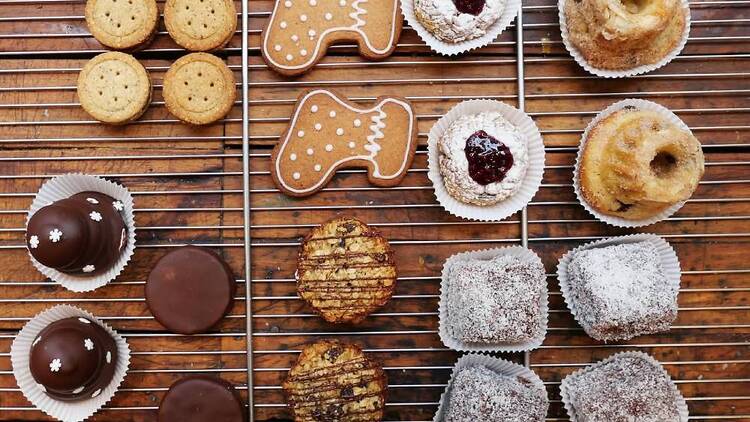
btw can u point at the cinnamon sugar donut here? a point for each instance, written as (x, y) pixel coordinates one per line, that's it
(635, 164)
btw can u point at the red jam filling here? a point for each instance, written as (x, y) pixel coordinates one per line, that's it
(473, 7)
(489, 159)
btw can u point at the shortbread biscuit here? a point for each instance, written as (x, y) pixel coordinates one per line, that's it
(123, 24)
(200, 25)
(300, 31)
(327, 133)
(345, 270)
(199, 88)
(114, 88)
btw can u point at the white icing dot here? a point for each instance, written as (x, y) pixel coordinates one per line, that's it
(357, 123)
(318, 167)
(108, 357)
(303, 52)
(342, 3)
(295, 38)
(301, 133)
(332, 113)
(282, 24)
(289, 57)
(96, 393)
(329, 147)
(339, 131)
(277, 47)
(352, 144)
(34, 242)
(311, 33)
(296, 176)
(293, 157)
(329, 16)
(314, 109)
(78, 390)
(310, 151)
(313, 2)
(318, 126)
(288, 3)
(303, 18)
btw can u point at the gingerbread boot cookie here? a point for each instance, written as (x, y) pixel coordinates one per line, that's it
(299, 31)
(327, 133)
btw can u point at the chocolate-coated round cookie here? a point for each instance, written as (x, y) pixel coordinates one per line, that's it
(190, 289)
(73, 359)
(201, 399)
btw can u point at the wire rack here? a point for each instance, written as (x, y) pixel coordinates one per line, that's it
(212, 187)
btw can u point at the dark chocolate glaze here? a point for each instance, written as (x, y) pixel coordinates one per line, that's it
(472, 7)
(489, 159)
(72, 359)
(201, 399)
(190, 289)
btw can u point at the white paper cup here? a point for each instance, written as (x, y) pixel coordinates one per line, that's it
(670, 263)
(530, 183)
(500, 366)
(64, 411)
(510, 11)
(522, 254)
(609, 73)
(568, 395)
(611, 219)
(65, 186)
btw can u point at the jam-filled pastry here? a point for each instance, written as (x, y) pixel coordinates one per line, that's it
(327, 133)
(300, 31)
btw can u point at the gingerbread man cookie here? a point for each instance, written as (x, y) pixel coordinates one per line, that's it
(300, 31)
(327, 133)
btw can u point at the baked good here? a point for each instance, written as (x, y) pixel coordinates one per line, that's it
(114, 88)
(200, 398)
(635, 164)
(333, 381)
(123, 25)
(345, 270)
(199, 88)
(620, 291)
(483, 158)
(190, 289)
(200, 25)
(611, 34)
(82, 235)
(73, 359)
(300, 31)
(495, 301)
(454, 21)
(327, 133)
(480, 394)
(623, 388)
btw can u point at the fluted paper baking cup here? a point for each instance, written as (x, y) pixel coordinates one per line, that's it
(65, 186)
(510, 11)
(500, 366)
(568, 395)
(670, 263)
(611, 219)
(522, 254)
(65, 411)
(609, 73)
(530, 183)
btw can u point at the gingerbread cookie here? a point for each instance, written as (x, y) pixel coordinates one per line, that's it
(300, 31)
(114, 88)
(327, 133)
(200, 25)
(199, 88)
(124, 24)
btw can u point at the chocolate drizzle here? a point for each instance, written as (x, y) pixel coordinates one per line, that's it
(489, 159)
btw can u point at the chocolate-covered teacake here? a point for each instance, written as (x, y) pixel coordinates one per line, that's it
(201, 398)
(73, 359)
(84, 234)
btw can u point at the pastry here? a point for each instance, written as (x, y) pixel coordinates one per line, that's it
(190, 289)
(114, 88)
(494, 301)
(635, 164)
(300, 31)
(611, 34)
(623, 388)
(201, 398)
(327, 133)
(345, 270)
(620, 291)
(200, 25)
(334, 381)
(123, 25)
(199, 88)
(82, 235)
(73, 359)
(483, 158)
(454, 21)
(480, 394)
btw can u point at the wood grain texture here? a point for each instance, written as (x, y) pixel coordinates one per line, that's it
(188, 189)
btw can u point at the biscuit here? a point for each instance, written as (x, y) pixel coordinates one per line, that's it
(114, 88)
(345, 270)
(122, 24)
(333, 381)
(200, 25)
(327, 133)
(300, 31)
(199, 88)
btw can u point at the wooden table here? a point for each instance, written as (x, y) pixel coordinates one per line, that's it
(188, 188)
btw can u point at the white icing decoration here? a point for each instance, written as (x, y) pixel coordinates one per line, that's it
(311, 33)
(95, 216)
(277, 47)
(310, 151)
(340, 131)
(352, 144)
(301, 133)
(296, 176)
(356, 15)
(288, 3)
(303, 18)
(78, 390)
(55, 365)
(96, 393)
(295, 37)
(283, 25)
(342, 3)
(318, 126)
(357, 123)
(303, 52)
(92, 200)
(37, 340)
(108, 357)
(332, 113)
(293, 157)
(377, 133)
(88, 344)
(118, 205)
(314, 108)
(329, 147)
(55, 235)
(289, 57)
(318, 167)
(313, 2)
(328, 16)
(34, 241)
(88, 269)
(84, 320)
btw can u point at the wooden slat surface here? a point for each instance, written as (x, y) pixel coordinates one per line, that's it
(188, 189)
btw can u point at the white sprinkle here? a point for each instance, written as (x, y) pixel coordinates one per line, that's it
(339, 131)
(314, 109)
(332, 113)
(96, 393)
(313, 2)
(303, 18)
(318, 167)
(84, 320)
(34, 242)
(108, 357)
(295, 37)
(303, 52)
(309, 151)
(329, 147)
(301, 133)
(55, 365)
(283, 24)
(95, 216)
(357, 123)
(318, 126)
(311, 33)
(329, 16)
(342, 3)
(92, 200)
(88, 269)
(296, 176)
(55, 235)
(293, 157)
(277, 47)
(118, 206)
(352, 145)
(288, 3)
(78, 390)
(289, 57)
(88, 344)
